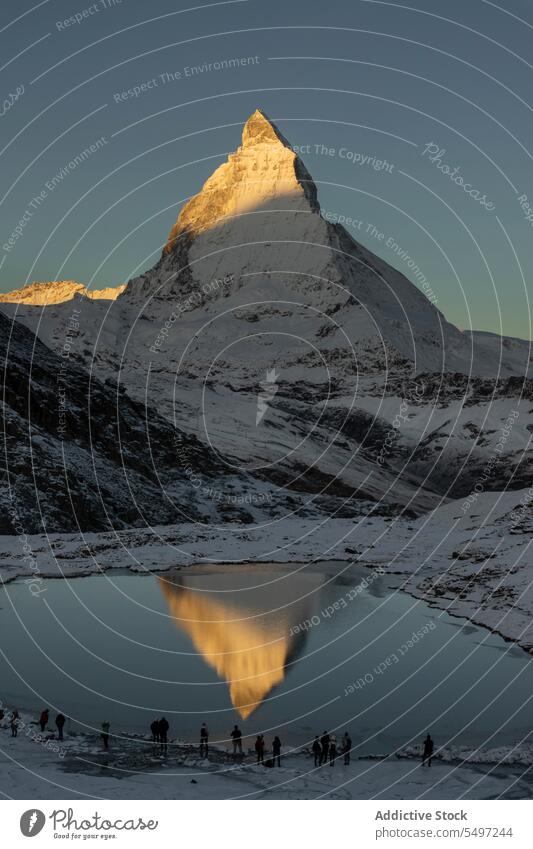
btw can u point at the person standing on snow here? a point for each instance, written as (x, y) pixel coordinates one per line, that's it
(428, 751)
(43, 720)
(163, 734)
(204, 740)
(236, 736)
(317, 750)
(14, 723)
(276, 750)
(324, 742)
(346, 748)
(332, 749)
(60, 721)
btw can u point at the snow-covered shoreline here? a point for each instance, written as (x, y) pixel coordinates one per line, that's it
(39, 767)
(475, 564)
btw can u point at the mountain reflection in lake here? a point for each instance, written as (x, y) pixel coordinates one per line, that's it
(222, 645)
(243, 626)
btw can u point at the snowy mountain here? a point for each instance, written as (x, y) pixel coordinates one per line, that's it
(313, 376)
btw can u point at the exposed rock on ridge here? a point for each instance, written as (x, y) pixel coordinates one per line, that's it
(57, 292)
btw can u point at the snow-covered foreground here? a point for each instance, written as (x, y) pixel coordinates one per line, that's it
(472, 560)
(133, 768)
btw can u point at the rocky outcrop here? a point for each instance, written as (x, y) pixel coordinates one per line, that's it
(79, 454)
(57, 292)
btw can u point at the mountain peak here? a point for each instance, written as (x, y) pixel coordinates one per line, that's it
(263, 172)
(259, 129)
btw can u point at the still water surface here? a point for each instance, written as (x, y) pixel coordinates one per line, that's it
(272, 649)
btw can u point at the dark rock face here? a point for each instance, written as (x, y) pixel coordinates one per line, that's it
(80, 455)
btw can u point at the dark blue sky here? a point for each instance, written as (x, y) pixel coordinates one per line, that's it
(363, 79)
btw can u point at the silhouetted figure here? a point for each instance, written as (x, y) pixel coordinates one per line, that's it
(276, 750)
(332, 749)
(163, 734)
(346, 748)
(260, 748)
(204, 740)
(154, 728)
(236, 736)
(317, 749)
(14, 723)
(60, 721)
(428, 751)
(105, 734)
(43, 721)
(324, 742)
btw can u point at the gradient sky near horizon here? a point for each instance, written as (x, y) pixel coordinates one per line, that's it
(347, 81)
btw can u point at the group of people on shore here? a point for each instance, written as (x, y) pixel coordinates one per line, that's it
(59, 722)
(15, 721)
(325, 749)
(44, 718)
(260, 750)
